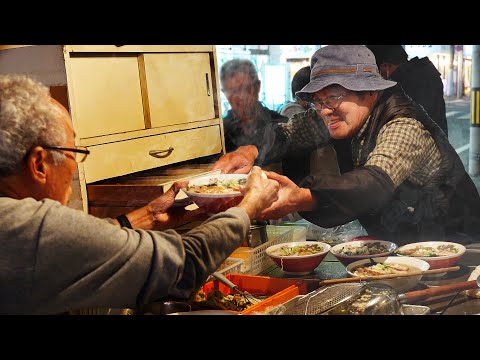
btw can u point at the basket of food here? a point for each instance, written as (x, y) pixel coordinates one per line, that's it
(270, 291)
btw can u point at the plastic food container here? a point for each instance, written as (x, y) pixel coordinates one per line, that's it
(279, 290)
(229, 266)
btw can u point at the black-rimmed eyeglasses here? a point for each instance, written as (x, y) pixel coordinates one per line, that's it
(332, 102)
(80, 152)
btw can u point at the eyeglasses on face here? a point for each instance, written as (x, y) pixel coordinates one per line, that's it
(331, 102)
(80, 152)
(242, 90)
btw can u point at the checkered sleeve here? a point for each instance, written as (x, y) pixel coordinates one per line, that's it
(404, 150)
(305, 131)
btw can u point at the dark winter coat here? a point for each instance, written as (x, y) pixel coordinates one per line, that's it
(421, 81)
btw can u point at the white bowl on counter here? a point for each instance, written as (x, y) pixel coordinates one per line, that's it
(401, 284)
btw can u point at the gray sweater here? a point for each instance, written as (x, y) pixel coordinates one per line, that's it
(292, 108)
(54, 258)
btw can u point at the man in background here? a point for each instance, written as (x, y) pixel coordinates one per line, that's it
(419, 79)
(248, 122)
(299, 80)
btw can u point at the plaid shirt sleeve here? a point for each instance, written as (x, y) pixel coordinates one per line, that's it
(305, 131)
(404, 150)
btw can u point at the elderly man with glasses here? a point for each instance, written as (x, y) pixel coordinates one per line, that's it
(54, 258)
(400, 177)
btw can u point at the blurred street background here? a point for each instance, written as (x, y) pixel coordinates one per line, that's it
(458, 117)
(277, 64)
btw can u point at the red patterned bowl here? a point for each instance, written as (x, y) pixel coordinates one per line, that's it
(438, 254)
(298, 264)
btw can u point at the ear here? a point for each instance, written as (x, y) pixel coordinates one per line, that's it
(37, 164)
(390, 68)
(258, 83)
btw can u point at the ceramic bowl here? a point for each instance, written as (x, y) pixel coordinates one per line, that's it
(286, 256)
(438, 254)
(350, 251)
(205, 192)
(401, 284)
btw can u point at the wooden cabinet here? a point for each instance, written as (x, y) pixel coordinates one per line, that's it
(128, 92)
(179, 88)
(105, 95)
(125, 157)
(135, 107)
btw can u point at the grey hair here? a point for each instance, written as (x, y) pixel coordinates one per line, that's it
(27, 119)
(231, 67)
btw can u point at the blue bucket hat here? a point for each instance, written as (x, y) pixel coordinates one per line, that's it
(351, 66)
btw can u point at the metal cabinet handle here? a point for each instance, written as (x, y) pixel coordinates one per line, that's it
(161, 153)
(208, 84)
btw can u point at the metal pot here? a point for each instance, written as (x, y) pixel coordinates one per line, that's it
(163, 308)
(206, 312)
(382, 299)
(257, 234)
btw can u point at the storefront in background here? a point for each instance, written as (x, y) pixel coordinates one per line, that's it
(277, 64)
(440, 56)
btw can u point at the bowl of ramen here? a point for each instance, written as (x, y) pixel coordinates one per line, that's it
(350, 251)
(390, 265)
(438, 254)
(216, 193)
(298, 257)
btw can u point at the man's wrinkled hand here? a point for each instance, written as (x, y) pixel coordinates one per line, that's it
(165, 201)
(239, 161)
(167, 216)
(259, 193)
(287, 198)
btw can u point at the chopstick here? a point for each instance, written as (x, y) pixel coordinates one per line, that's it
(391, 276)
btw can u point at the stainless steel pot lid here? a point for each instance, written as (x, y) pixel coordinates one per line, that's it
(206, 312)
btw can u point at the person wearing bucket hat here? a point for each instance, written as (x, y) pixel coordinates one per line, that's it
(352, 67)
(418, 77)
(400, 177)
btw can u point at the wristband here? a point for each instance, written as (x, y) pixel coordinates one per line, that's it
(123, 221)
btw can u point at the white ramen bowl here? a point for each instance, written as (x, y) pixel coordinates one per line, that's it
(401, 284)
